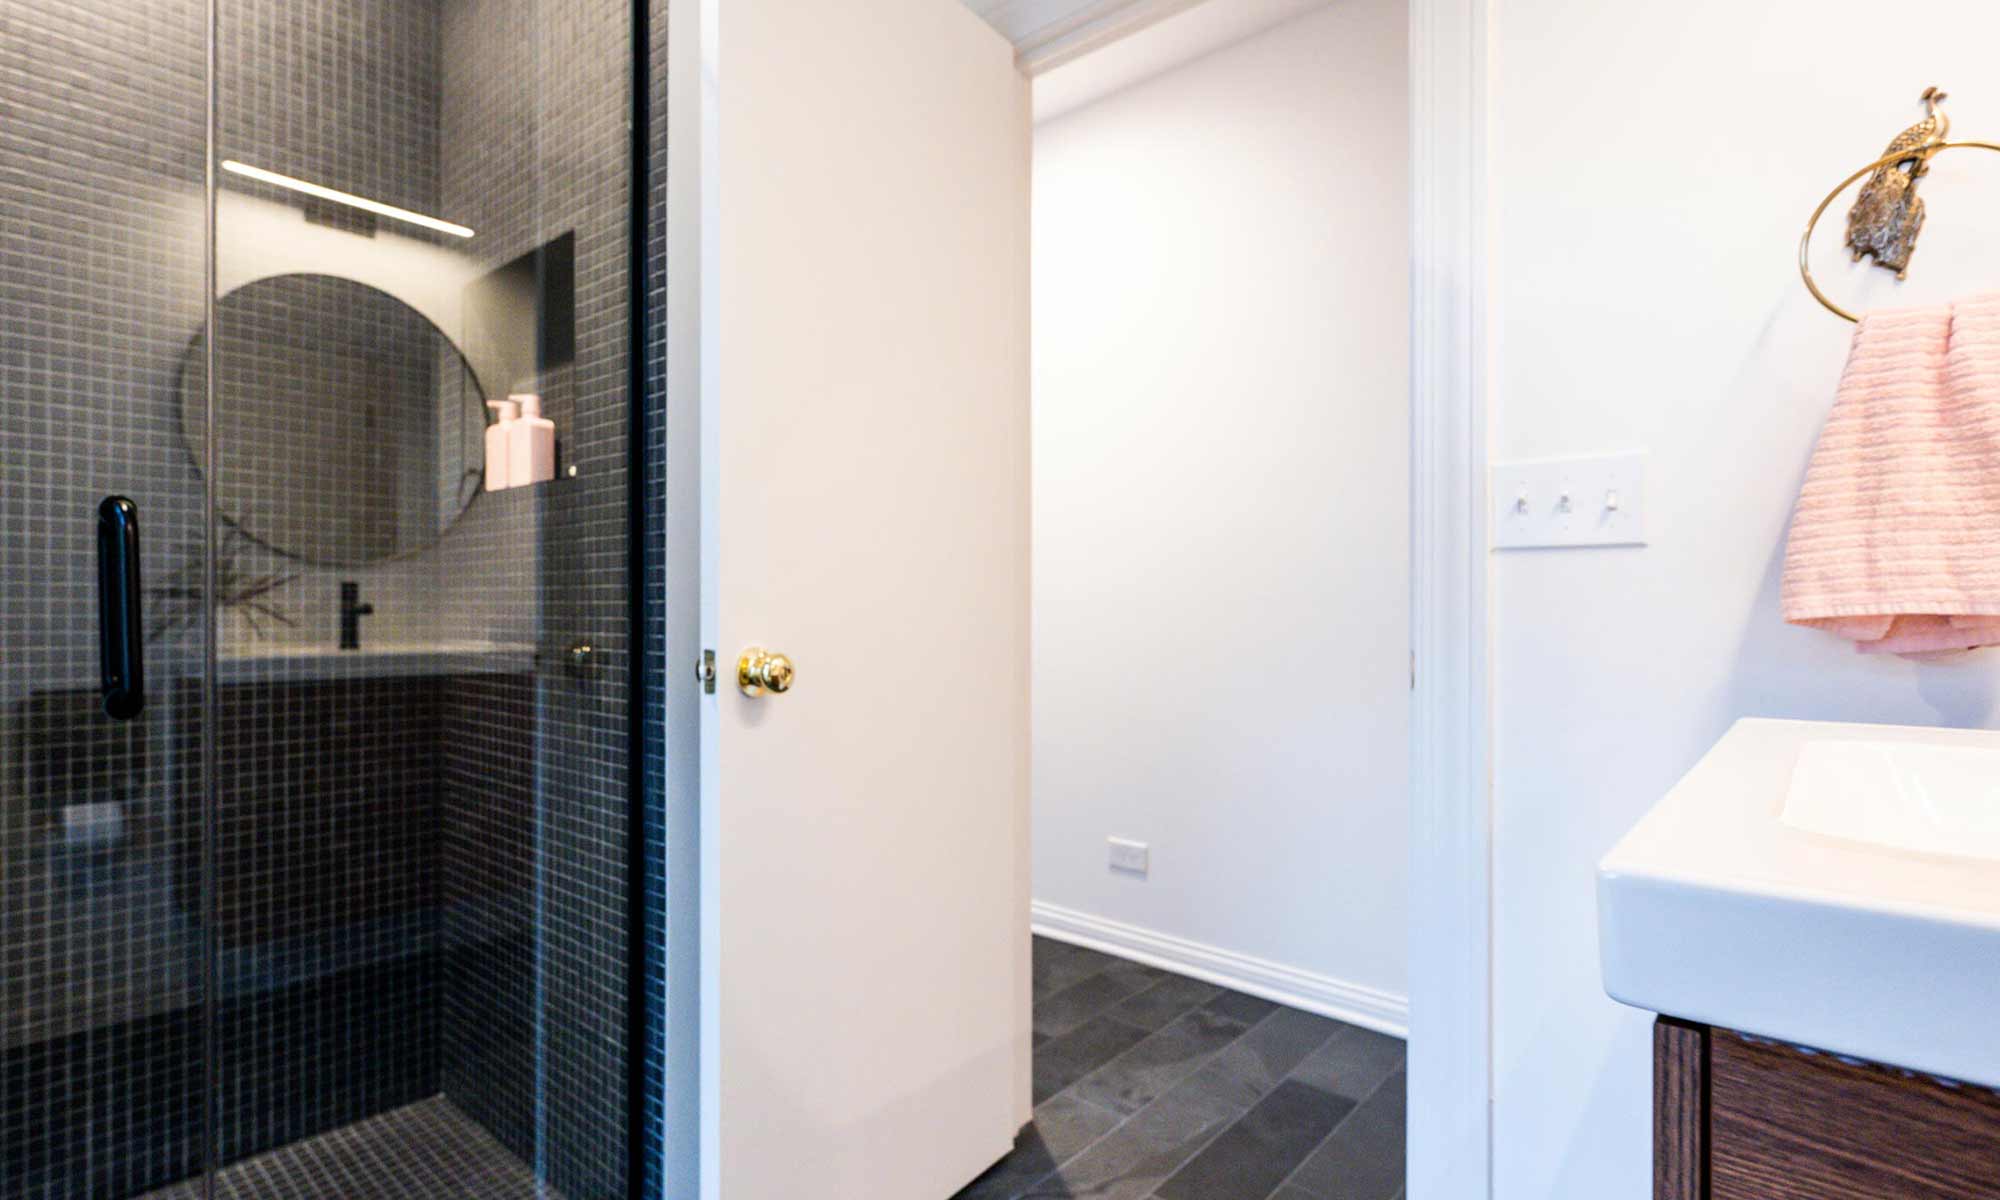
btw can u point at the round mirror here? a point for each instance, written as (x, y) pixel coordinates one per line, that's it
(351, 429)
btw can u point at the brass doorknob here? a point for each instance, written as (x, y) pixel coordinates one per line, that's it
(760, 671)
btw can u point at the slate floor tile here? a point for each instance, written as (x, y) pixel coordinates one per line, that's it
(1062, 1128)
(1133, 1159)
(1137, 1077)
(1245, 1008)
(1030, 1160)
(1252, 1157)
(1255, 1063)
(1058, 965)
(1069, 1124)
(1362, 1159)
(1164, 1001)
(1353, 1063)
(1061, 1061)
(1225, 1092)
(1058, 1014)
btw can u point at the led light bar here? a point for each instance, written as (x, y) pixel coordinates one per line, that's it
(361, 202)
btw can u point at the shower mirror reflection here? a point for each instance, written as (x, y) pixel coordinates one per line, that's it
(351, 426)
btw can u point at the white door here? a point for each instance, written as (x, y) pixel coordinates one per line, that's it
(865, 476)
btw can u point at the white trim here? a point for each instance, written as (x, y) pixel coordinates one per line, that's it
(1091, 26)
(693, 187)
(1450, 1152)
(1355, 1003)
(1163, 46)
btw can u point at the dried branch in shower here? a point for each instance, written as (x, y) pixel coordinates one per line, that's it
(177, 605)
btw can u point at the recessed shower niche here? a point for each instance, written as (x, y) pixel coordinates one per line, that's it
(318, 922)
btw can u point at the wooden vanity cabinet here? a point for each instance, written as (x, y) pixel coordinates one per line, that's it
(1742, 1118)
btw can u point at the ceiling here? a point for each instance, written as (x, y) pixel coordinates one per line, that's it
(1047, 33)
(1057, 40)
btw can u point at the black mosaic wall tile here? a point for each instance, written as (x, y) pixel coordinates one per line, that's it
(487, 872)
(300, 1058)
(535, 145)
(115, 1109)
(327, 822)
(417, 879)
(120, 1110)
(654, 673)
(325, 794)
(101, 267)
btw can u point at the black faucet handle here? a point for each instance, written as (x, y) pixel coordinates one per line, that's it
(351, 612)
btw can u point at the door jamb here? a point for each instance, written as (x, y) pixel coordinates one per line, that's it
(1450, 1154)
(692, 196)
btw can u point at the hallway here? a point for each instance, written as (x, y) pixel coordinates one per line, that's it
(1154, 1086)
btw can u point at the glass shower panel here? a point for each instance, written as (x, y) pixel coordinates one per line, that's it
(103, 145)
(420, 709)
(344, 911)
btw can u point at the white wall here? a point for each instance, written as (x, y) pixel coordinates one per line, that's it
(1221, 465)
(1653, 166)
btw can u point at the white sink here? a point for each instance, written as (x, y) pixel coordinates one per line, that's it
(1917, 796)
(261, 662)
(1830, 885)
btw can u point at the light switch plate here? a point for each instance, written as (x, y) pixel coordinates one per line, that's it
(1545, 502)
(1129, 856)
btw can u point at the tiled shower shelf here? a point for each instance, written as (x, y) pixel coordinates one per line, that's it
(262, 662)
(113, 981)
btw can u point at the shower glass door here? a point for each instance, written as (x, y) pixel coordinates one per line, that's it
(342, 911)
(102, 261)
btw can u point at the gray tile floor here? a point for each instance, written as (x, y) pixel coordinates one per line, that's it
(424, 1151)
(1152, 1086)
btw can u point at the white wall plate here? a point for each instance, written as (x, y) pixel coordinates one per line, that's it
(1548, 502)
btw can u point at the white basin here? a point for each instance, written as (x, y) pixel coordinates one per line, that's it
(1899, 795)
(1830, 885)
(262, 662)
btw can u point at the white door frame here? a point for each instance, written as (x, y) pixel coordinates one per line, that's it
(692, 197)
(1451, 826)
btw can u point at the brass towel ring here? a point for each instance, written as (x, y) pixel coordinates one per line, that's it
(1805, 241)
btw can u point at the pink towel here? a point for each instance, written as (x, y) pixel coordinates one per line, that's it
(1896, 539)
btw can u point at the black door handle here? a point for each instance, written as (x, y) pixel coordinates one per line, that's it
(121, 637)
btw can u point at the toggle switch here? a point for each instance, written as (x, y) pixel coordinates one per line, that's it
(1545, 502)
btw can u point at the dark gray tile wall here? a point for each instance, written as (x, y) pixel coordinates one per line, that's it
(655, 674)
(369, 957)
(534, 145)
(101, 267)
(326, 851)
(326, 794)
(346, 93)
(341, 92)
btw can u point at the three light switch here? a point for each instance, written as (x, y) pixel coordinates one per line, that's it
(1554, 502)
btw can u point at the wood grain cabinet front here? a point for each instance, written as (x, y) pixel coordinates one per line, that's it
(1742, 1118)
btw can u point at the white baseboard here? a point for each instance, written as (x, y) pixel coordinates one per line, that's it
(1354, 1003)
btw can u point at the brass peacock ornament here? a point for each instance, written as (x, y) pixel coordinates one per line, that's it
(1888, 214)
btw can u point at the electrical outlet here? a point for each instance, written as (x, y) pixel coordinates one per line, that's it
(1129, 857)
